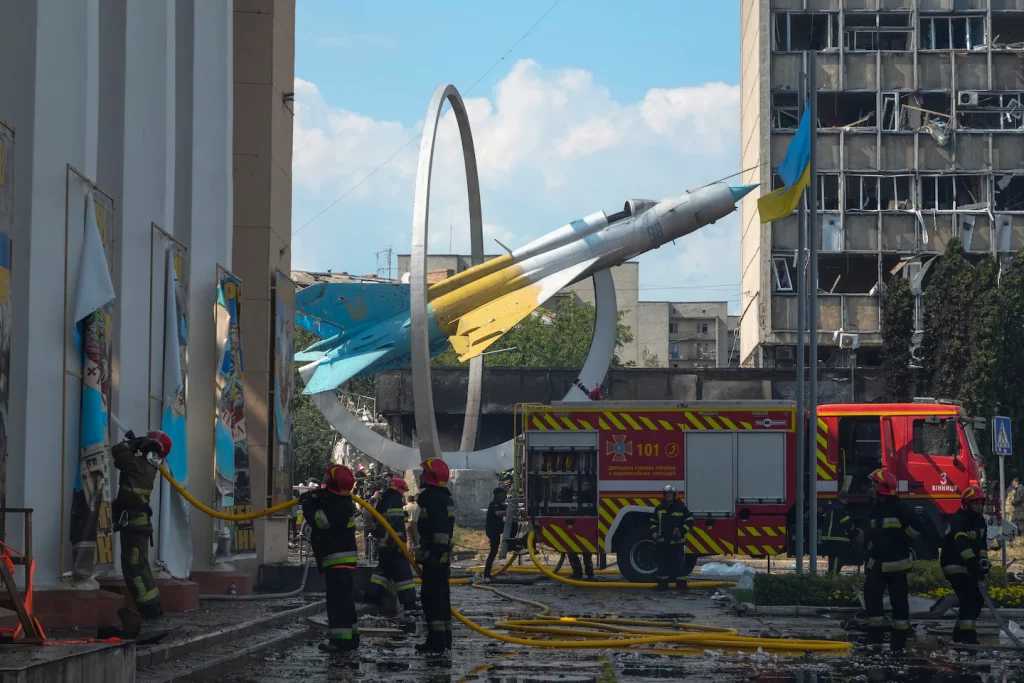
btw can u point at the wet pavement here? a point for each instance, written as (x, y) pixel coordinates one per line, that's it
(478, 658)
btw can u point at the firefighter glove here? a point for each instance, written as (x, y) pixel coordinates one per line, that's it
(654, 536)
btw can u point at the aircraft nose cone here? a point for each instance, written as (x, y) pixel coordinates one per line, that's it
(741, 191)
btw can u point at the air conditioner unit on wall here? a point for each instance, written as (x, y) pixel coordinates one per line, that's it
(849, 341)
(967, 98)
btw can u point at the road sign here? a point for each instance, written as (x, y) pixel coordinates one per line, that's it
(1002, 437)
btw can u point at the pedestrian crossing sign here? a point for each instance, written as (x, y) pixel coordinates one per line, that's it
(1002, 436)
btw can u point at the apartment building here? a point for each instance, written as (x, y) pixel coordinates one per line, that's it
(920, 115)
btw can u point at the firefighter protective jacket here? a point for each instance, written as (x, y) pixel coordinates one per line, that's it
(670, 517)
(891, 532)
(436, 523)
(837, 525)
(333, 522)
(391, 507)
(134, 489)
(965, 544)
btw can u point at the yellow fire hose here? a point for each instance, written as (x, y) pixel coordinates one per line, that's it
(618, 633)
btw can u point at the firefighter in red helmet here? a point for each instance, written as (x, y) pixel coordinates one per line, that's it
(892, 529)
(132, 514)
(436, 525)
(391, 565)
(332, 516)
(964, 562)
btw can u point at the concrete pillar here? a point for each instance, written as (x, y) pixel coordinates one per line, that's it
(264, 71)
(203, 223)
(49, 53)
(136, 165)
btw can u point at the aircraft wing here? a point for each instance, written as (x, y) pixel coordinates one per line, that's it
(331, 373)
(332, 308)
(485, 325)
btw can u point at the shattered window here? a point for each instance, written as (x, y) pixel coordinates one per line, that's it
(802, 31)
(785, 111)
(949, 192)
(887, 32)
(843, 109)
(1009, 193)
(953, 33)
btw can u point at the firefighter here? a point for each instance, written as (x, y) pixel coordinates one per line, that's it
(436, 525)
(332, 516)
(391, 564)
(891, 531)
(670, 524)
(838, 532)
(132, 514)
(964, 562)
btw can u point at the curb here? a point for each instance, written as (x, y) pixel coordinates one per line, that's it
(238, 658)
(165, 653)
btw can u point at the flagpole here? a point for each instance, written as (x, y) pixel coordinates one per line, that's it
(812, 317)
(801, 326)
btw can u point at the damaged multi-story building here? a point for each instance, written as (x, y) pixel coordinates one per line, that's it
(920, 139)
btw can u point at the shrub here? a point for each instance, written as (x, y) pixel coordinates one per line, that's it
(925, 579)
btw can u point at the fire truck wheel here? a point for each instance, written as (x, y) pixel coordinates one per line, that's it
(638, 555)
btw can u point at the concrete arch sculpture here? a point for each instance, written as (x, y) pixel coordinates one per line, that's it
(499, 457)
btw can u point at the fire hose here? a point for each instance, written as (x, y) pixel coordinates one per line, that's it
(597, 633)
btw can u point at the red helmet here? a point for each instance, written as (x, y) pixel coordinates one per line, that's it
(162, 440)
(435, 472)
(340, 479)
(398, 484)
(885, 480)
(971, 493)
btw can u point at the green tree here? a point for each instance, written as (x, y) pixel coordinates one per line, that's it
(1010, 370)
(560, 339)
(980, 389)
(897, 337)
(651, 360)
(948, 333)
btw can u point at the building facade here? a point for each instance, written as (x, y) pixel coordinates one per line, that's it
(167, 119)
(920, 114)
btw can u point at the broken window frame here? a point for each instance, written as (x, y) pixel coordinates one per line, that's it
(998, 19)
(782, 282)
(894, 118)
(1002, 206)
(872, 34)
(930, 29)
(1008, 105)
(824, 201)
(782, 35)
(790, 114)
(936, 205)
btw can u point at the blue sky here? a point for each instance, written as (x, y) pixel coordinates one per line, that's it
(597, 105)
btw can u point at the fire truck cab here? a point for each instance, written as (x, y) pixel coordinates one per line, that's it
(591, 473)
(929, 446)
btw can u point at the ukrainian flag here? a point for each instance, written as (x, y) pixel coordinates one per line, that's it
(795, 171)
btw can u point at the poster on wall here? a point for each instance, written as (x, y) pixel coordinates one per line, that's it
(91, 525)
(232, 488)
(6, 227)
(284, 387)
(175, 552)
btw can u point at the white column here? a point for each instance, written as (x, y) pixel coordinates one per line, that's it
(50, 96)
(207, 232)
(137, 167)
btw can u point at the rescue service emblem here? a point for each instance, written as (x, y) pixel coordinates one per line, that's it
(620, 448)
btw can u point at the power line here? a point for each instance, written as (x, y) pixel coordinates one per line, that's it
(418, 135)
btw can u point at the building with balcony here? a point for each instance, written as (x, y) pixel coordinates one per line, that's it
(920, 114)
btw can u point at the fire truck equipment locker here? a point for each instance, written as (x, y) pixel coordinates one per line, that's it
(711, 474)
(761, 467)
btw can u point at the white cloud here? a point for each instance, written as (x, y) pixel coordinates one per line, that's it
(551, 146)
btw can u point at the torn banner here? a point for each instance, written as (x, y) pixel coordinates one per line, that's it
(92, 315)
(175, 552)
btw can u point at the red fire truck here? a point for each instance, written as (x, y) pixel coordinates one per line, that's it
(593, 472)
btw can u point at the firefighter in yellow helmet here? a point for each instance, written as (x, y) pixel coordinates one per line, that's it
(436, 526)
(964, 562)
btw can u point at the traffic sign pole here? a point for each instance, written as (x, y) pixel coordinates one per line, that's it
(1002, 445)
